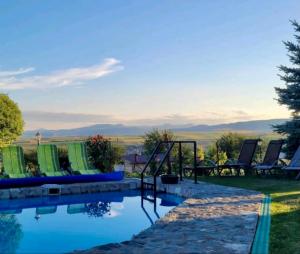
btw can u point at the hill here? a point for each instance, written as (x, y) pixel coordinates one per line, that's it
(261, 126)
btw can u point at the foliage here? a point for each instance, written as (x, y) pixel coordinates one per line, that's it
(230, 144)
(11, 233)
(200, 152)
(11, 122)
(31, 161)
(285, 208)
(152, 138)
(211, 154)
(290, 94)
(102, 153)
(98, 209)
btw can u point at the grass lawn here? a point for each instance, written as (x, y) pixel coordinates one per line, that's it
(285, 208)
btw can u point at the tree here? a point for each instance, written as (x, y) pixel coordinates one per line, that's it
(11, 122)
(290, 94)
(230, 144)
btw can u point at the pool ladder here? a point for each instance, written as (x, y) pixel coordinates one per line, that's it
(169, 145)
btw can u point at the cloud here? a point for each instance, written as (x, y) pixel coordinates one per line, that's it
(15, 72)
(9, 80)
(65, 117)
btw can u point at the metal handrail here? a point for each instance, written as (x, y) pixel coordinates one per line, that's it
(166, 155)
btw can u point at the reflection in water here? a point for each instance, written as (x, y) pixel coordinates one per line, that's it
(10, 233)
(98, 209)
(71, 222)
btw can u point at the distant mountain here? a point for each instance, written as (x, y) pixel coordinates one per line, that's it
(256, 125)
(120, 129)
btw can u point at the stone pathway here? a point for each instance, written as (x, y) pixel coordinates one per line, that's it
(213, 219)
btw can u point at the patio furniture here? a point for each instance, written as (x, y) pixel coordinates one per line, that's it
(294, 164)
(78, 158)
(76, 208)
(244, 161)
(13, 162)
(46, 210)
(48, 161)
(271, 159)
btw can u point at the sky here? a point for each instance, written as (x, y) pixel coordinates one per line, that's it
(74, 63)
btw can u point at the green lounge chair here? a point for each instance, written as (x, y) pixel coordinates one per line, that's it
(46, 210)
(78, 159)
(16, 211)
(76, 208)
(48, 161)
(13, 162)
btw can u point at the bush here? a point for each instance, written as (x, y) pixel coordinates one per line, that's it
(11, 122)
(103, 154)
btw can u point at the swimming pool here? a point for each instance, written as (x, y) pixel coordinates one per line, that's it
(65, 223)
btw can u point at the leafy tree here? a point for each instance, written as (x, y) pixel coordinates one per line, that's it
(11, 122)
(290, 94)
(102, 153)
(230, 144)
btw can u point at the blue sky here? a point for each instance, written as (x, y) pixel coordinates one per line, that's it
(73, 63)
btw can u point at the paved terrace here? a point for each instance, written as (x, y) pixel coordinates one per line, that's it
(213, 219)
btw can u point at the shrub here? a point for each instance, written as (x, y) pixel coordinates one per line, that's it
(102, 153)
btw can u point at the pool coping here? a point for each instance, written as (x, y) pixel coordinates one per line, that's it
(69, 189)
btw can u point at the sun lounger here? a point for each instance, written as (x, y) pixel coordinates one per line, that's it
(271, 159)
(13, 162)
(46, 210)
(76, 208)
(48, 161)
(78, 158)
(294, 164)
(244, 161)
(16, 211)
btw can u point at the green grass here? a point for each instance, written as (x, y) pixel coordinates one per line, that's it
(285, 208)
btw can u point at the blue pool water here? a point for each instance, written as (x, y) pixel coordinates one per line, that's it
(66, 223)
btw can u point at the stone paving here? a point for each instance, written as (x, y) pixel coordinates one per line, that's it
(213, 219)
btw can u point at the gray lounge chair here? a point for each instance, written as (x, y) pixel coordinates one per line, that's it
(294, 164)
(271, 160)
(244, 161)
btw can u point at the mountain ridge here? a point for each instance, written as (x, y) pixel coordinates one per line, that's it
(121, 129)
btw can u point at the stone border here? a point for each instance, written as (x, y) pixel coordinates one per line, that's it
(69, 189)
